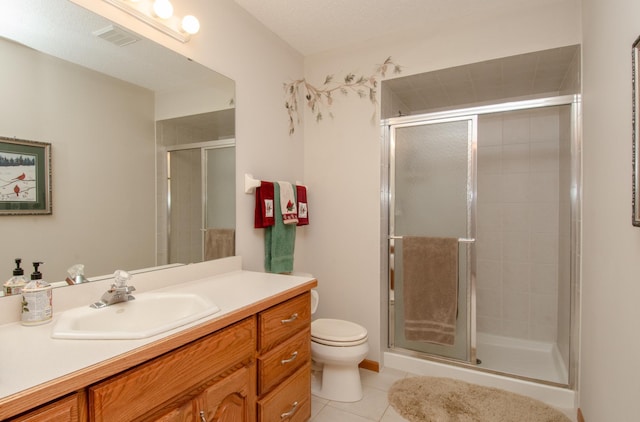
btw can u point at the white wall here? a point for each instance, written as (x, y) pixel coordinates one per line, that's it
(609, 385)
(342, 155)
(205, 99)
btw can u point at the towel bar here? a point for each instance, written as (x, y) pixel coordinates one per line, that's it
(250, 184)
(460, 239)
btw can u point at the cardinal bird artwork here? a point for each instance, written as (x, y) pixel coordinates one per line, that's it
(17, 177)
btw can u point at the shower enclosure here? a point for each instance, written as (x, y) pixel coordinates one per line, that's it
(200, 193)
(504, 180)
(433, 179)
(196, 187)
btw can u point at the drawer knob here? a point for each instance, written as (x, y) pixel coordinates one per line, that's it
(290, 412)
(291, 319)
(293, 357)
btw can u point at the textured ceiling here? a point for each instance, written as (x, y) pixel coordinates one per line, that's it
(312, 26)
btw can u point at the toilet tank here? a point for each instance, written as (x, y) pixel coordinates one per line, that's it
(314, 301)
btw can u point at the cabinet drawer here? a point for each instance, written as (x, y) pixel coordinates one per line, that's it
(290, 401)
(280, 322)
(68, 409)
(139, 391)
(283, 360)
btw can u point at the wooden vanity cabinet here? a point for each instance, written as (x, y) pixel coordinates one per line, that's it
(213, 375)
(218, 378)
(71, 408)
(284, 361)
(230, 400)
(256, 369)
(227, 400)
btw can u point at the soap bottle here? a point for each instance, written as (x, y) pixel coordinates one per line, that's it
(15, 284)
(37, 299)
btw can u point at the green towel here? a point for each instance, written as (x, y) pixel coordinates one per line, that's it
(279, 240)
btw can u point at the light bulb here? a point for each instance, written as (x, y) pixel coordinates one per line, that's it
(163, 9)
(190, 24)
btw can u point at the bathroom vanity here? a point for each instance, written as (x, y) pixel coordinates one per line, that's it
(248, 362)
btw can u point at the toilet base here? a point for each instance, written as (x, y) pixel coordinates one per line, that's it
(337, 383)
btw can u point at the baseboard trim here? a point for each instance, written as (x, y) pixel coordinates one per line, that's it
(371, 365)
(580, 417)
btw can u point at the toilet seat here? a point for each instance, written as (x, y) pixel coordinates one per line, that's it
(337, 332)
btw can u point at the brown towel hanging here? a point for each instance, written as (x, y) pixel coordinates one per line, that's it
(430, 288)
(219, 243)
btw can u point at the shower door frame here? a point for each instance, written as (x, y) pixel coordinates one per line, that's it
(202, 147)
(467, 241)
(574, 101)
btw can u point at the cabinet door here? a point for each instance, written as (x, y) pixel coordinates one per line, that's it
(179, 414)
(229, 400)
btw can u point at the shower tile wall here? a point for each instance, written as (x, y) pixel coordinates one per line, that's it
(517, 224)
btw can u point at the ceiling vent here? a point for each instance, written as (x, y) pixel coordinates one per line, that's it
(116, 35)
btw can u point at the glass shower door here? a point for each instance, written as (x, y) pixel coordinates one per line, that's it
(201, 197)
(185, 206)
(432, 195)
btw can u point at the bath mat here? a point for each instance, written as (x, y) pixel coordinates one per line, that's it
(432, 399)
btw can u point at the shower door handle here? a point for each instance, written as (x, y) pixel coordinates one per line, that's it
(460, 239)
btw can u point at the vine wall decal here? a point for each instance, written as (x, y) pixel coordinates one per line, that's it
(320, 99)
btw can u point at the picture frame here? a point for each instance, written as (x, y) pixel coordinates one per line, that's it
(25, 177)
(635, 103)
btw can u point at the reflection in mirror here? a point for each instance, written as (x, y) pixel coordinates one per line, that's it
(99, 105)
(200, 165)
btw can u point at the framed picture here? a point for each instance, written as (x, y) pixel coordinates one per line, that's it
(25, 177)
(636, 132)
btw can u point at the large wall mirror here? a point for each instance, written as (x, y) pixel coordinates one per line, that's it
(126, 118)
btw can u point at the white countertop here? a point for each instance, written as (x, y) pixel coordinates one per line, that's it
(31, 357)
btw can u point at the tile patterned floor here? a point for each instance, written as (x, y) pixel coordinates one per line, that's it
(374, 406)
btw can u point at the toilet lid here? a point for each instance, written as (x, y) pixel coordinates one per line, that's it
(337, 332)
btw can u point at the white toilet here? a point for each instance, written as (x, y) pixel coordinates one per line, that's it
(337, 347)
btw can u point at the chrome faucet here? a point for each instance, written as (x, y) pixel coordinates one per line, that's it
(119, 291)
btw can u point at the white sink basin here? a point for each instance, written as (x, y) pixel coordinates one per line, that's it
(149, 314)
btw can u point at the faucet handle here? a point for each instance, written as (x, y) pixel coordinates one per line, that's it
(121, 278)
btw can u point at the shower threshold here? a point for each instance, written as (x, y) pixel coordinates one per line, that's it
(558, 395)
(530, 359)
(487, 364)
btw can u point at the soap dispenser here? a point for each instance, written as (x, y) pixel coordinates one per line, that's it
(37, 299)
(16, 283)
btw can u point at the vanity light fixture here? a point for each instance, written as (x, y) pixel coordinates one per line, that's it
(159, 14)
(163, 9)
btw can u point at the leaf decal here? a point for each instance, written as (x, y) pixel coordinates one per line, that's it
(318, 99)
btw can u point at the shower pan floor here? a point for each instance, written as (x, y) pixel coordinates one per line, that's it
(526, 358)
